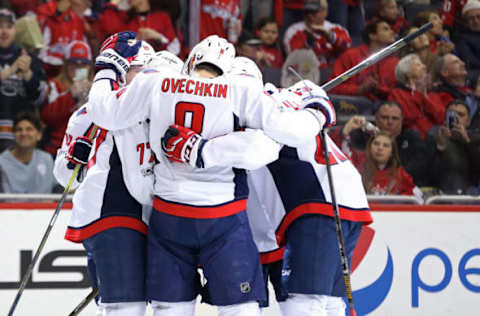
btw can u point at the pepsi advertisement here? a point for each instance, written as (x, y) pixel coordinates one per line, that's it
(413, 260)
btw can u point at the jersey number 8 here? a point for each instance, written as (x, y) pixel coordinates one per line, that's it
(190, 115)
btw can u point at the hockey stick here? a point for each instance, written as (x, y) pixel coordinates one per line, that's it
(84, 302)
(338, 229)
(374, 58)
(27, 275)
(336, 215)
(327, 86)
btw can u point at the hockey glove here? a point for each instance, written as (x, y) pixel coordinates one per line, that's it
(181, 144)
(78, 152)
(124, 43)
(315, 100)
(117, 52)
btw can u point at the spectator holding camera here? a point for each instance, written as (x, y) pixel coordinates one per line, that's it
(67, 92)
(383, 173)
(457, 153)
(414, 153)
(326, 39)
(419, 112)
(24, 168)
(22, 80)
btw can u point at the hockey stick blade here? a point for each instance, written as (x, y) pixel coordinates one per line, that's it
(76, 311)
(28, 273)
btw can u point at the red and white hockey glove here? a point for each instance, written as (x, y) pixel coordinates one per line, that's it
(315, 100)
(78, 152)
(117, 52)
(181, 144)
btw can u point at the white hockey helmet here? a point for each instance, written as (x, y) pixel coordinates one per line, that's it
(212, 50)
(145, 53)
(244, 66)
(165, 59)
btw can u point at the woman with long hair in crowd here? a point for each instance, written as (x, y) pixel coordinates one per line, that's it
(382, 173)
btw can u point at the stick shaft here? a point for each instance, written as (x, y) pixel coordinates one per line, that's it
(84, 302)
(27, 275)
(374, 58)
(338, 226)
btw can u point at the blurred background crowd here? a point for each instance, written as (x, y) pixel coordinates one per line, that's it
(410, 123)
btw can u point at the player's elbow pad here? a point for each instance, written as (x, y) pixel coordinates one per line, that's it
(324, 113)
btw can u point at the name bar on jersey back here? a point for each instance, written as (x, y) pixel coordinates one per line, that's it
(194, 87)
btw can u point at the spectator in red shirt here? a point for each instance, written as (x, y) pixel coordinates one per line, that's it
(60, 26)
(420, 113)
(67, 92)
(151, 24)
(382, 174)
(22, 7)
(450, 82)
(376, 81)
(349, 14)
(387, 10)
(451, 12)
(439, 38)
(222, 18)
(326, 39)
(269, 53)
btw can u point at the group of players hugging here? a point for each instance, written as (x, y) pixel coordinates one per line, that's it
(198, 166)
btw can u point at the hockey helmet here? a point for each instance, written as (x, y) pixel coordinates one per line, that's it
(246, 67)
(145, 53)
(166, 59)
(212, 50)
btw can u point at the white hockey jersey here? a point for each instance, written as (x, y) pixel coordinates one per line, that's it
(211, 107)
(294, 185)
(119, 181)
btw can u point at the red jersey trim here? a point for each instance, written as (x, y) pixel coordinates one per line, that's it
(272, 256)
(191, 211)
(100, 139)
(360, 215)
(79, 234)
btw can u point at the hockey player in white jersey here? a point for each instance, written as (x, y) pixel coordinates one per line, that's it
(198, 215)
(292, 191)
(107, 212)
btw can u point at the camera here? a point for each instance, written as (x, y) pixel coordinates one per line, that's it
(451, 118)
